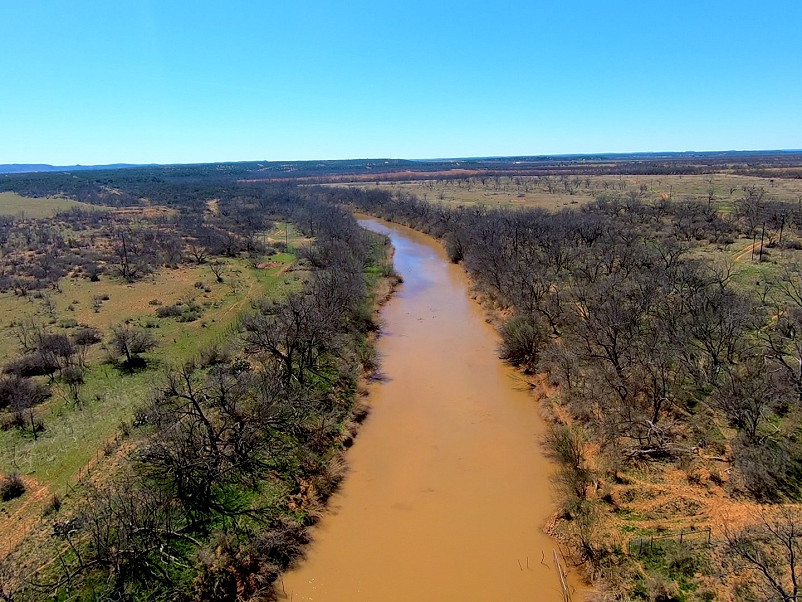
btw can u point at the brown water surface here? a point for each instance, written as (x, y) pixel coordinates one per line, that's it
(447, 488)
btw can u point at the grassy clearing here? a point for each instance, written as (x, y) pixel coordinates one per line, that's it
(288, 234)
(441, 191)
(19, 206)
(557, 192)
(75, 434)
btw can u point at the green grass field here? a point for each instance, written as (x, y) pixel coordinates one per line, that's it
(19, 206)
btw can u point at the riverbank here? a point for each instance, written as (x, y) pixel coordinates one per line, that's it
(658, 351)
(447, 489)
(208, 492)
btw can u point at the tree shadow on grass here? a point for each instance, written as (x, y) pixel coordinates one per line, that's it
(132, 366)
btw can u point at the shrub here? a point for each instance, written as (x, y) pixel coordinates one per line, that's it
(240, 365)
(168, 311)
(73, 378)
(86, 336)
(213, 354)
(189, 315)
(567, 445)
(11, 486)
(19, 394)
(53, 506)
(454, 248)
(32, 364)
(522, 340)
(182, 312)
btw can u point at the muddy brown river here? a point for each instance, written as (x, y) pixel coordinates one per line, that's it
(447, 487)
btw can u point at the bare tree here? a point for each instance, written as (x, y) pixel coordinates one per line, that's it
(748, 396)
(130, 342)
(28, 333)
(218, 268)
(770, 552)
(198, 251)
(133, 255)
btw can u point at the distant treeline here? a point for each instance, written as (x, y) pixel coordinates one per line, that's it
(170, 184)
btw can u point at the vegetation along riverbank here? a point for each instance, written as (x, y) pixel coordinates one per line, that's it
(185, 380)
(662, 337)
(167, 432)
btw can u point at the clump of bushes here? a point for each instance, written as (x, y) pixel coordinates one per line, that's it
(11, 486)
(770, 471)
(213, 355)
(169, 311)
(19, 394)
(182, 312)
(32, 364)
(86, 336)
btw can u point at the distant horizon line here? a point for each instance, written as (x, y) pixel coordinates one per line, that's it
(12, 168)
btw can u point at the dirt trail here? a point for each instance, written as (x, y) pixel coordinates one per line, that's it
(15, 525)
(239, 304)
(448, 489)
(748, 250)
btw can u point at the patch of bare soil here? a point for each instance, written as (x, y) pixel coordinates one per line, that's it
(672, 499)
(25, 513)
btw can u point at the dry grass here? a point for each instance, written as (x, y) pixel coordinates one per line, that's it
(76, 435)
(444, 191)
(19, 206)
(21, 514)
(554, 193)
(128, 301)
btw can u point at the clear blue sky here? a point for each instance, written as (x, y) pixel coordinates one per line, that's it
(195, 81)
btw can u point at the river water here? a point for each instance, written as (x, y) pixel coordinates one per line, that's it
(447, 487)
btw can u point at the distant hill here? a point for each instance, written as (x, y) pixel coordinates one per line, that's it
(38, 167)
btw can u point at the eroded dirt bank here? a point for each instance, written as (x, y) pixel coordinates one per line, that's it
(448, 488)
